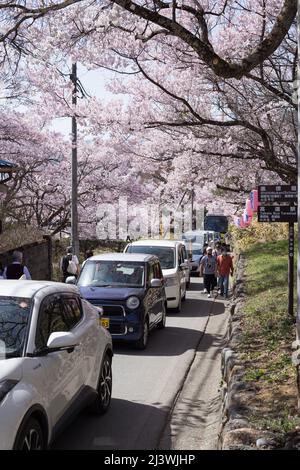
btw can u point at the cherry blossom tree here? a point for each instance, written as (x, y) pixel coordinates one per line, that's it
(205, 91)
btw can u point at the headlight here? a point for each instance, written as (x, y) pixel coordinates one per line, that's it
(133, 302)
(170, 281)
(6, 387)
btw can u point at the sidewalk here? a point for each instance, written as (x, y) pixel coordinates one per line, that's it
(195, 420)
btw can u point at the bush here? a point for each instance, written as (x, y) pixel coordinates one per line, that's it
(258, 233)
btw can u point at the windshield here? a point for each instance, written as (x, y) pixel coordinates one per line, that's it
(193, 237)
(14, 321)
(165, 254)
(112, 274)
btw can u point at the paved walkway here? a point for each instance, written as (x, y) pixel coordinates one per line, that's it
(195, 419)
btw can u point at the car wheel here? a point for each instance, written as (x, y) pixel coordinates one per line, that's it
(104, 390)
(178, 308)
(31, 437)
(143, 341)
(162, 322)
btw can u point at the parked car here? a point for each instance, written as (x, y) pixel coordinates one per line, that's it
(195, 249)
(173, 259)
(130, 289)
(55, 359)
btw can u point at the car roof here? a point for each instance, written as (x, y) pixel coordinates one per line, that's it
(28, 289)
(138, 257)
(166, 243)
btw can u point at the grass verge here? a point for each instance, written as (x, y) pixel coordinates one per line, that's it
(268, 334)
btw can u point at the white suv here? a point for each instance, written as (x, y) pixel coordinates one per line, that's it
(175, 268)
(55, 359)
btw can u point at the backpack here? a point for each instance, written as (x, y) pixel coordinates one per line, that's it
(68, 265)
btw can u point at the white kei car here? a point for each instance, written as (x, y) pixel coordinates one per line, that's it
(55, 359)
(175, 267)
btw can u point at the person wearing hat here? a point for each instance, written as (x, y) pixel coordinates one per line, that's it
(208, 269)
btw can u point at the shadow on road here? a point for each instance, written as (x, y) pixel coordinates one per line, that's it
(126, 425)
(196, 285)
(172, 341)
(198, 308)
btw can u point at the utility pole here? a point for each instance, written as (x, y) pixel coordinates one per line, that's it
(74, 195)
(193, 218)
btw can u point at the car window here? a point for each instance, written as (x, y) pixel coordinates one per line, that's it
(165, 255)
(14, 322)
(181, 258)
(73, 312)
(157, 271)
(104, 273)
(151, 273)
(52, 318)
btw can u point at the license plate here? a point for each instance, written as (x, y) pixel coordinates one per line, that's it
(104, 322)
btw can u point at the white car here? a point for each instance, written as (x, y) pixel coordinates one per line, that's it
(55, 359)
(175, 268)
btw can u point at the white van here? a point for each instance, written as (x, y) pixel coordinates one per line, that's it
(172, 257)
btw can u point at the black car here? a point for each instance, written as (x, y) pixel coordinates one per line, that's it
(130, 289)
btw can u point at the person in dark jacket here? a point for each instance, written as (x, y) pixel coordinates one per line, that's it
(16, 269)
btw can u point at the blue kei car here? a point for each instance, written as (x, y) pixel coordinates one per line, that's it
(130, 290)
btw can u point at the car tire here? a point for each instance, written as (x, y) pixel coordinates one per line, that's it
(104, 389)
(178, 308)
(143, 341)
(31, 436)
(161, 325)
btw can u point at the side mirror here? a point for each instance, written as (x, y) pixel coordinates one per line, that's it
(99, 310)
(71, 280)
(61, 340)
(156, 283)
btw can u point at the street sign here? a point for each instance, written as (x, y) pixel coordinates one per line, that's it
(277, 214)
(287, 193)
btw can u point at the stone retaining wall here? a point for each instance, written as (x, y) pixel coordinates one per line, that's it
(236, 433)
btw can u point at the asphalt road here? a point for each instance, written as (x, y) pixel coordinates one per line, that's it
(165, 397)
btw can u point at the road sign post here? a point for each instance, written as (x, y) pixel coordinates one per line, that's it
(278, 203)
(291, 270)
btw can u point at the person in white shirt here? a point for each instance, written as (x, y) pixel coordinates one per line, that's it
(69, 264)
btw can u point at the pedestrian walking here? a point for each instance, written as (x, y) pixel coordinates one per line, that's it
(69, 264)
(16, 269)
(204, 249)
(225, 267)
(217, 251)
(208, 269)
(88, 254)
